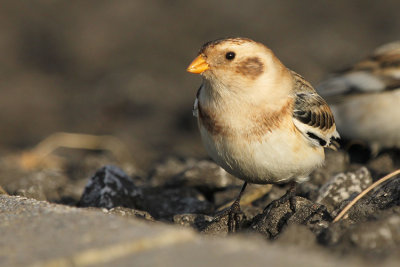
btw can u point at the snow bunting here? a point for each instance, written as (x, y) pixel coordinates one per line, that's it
(260, 121)
(365, 98)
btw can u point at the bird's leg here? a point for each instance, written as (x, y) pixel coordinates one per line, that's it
(288, 196)
(234, 212)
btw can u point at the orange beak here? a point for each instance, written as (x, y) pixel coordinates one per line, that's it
(198, 65)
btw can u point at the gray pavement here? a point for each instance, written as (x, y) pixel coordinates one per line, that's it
(37, 233)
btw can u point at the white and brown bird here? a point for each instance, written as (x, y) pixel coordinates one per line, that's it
(260, 121)
(365, 98)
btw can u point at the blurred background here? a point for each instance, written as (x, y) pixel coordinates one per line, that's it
(118, 67)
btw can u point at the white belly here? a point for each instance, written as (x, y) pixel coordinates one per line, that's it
(374, 118)
(278, 157)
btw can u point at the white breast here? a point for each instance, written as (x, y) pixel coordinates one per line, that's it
(281, 156)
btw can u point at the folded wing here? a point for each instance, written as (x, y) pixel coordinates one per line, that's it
(312, 115)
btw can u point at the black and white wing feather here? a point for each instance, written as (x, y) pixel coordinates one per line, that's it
(312, 115)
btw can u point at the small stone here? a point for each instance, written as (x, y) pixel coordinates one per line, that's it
(130, 213)
(218, 226)
(110, 187)
(196, 221)
(342, 187)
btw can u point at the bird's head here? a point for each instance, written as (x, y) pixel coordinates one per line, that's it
(236, 64)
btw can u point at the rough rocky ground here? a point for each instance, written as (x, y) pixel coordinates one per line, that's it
(36, 233)
(171, 215)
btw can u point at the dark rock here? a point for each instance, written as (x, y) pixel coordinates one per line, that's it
(333, 234)
(343, 186)
(202, 174)
(219, 224)
(164, 203)
(271, 224)
(380, 236)
(383, 197)
(110, 187)
(371, 225)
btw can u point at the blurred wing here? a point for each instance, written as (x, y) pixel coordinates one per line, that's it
(196, 104)
(312, 115)
(379, 72)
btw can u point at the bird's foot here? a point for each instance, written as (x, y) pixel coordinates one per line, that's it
(288, 196)
(235, 216)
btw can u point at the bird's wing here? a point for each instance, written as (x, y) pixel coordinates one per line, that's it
(379, 72)
(312, 115)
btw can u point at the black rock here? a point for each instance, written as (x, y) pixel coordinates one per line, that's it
(307, 213)
(380, 236)
(110, 187)
(383, 197)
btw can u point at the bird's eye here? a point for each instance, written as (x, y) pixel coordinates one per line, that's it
(230, 55)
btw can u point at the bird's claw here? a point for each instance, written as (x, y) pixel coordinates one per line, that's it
(235, 216)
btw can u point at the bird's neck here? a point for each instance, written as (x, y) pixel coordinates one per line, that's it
(265, 92)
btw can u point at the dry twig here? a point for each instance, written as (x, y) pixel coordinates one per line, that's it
(363, 193)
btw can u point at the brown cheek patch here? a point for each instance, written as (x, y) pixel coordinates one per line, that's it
(251, 67)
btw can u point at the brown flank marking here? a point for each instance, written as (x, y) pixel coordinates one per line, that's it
(209, 121)
(268, 121)
(260, 122)
(251, 67)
